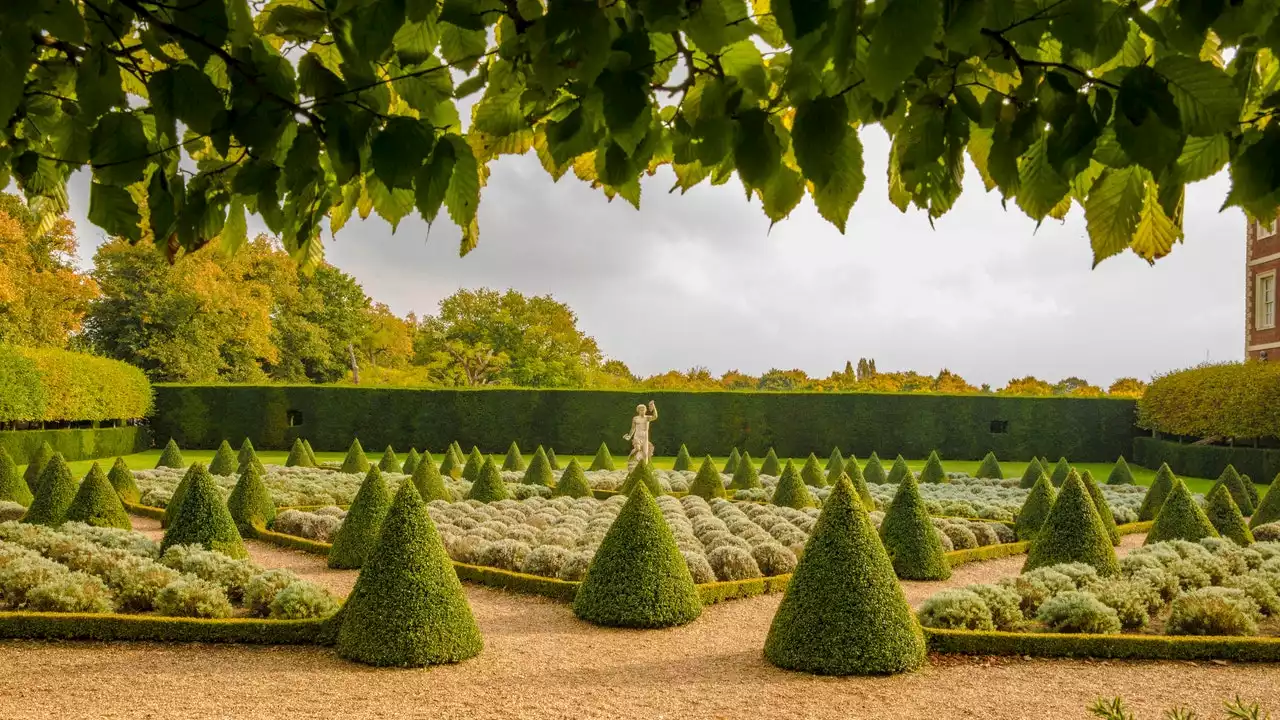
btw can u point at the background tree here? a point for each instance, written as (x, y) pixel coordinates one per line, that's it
(43, 297)
(949, 382)
(784, 380)
(1029, 385)
(1127, 387)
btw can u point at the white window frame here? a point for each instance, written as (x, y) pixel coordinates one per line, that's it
(1266, 228)
(1260, 319)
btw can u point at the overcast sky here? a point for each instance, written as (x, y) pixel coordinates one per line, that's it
(700, 279)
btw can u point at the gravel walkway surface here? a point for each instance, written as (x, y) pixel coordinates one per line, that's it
(541, 662)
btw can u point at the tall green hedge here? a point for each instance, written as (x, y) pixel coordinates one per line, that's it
(77, 444)
(1205, 461)
(51, 385)
(578, 421)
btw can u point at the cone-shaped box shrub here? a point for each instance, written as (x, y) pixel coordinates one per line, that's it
(731, 465)
(989, 468)
(407, 608)
(771, 466)
(603, 460)
(638, 578)
(12, 486)
(411, 462)
(833, 475)
(812, 472)
(1180, 518)
(179, 492)
(311, 453)
(56, 491)
(355, 461)
(475, 463)
(909, 537)
(844, 612)
(389, 463)
(641, 474)
(248, 456)
(224, 460)
(35, 465)
(1231, 479)
(745, 477)
(899, 471)
(514, 461)
(573, 482)
(250, 502)
(489, 486)
(854, 474)
(791, 491)
(1032, 474)
(683, 461)
(835, 460)
(932, 471)
(1073, 532)
(96, 503)
(457, 452)
(1252, 490)
(1225, 516)
(1102, 506)
(359, 531)
(298, 456)
(539, 471)
(1160, 488)
(203, 519)
(708, 483)
(171, 456)
(1035, 508)
(1120, 473)
(429, 482)
(1269, 507)
(1060, 471)
(449, 466)
(873, 471)
(551, 458)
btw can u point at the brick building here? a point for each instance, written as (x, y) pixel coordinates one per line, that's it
(1262, 251)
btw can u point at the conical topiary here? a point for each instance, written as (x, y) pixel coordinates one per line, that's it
(1032, 474)
(475, 463)
(910, 538)
(854, 473)
(603, 460)
(745, 477)
(812, 473)
(573, 482)
(248, 456)
(1101, 505)
(96, 503)
(1160, 488)
(791, 491)
(298, 456)
(411, 462)
(458, 455)
(429, 482)
(389, 463)
(203, 519)
(683, 461)
(179, 492)
(250, 502)
(844, 612)
(171, 456)
(539, 471)
(56, 491)
(514, 460)
(833, 474)
(1252, 490)
(358, 533)
(224, 460)
(898, 472)
(1120, 473)
(355, 461)
(873, 471)
(1060, 471)
(35, 465)
(1225, 516)
(771, 466)
(449, 466)
(1035, 508)
(989, 468)
(551, 458)
(835, 460)
(311, 453)
(489, 486)
(1269, 507)
(707, 483)
(1180, 518)
(13, 487)
(731, 464)
(638, 578)
(932, 471)
(407, 608)
(1073, 532)
(641, 474)
(1231, 479)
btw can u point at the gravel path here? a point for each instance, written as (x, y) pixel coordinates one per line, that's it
(541, 662)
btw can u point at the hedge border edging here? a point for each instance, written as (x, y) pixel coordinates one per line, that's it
(113, 627)
(145, 511)
(1123, 647)
(1206, 461)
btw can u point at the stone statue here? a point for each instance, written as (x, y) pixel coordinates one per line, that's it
(641, 448)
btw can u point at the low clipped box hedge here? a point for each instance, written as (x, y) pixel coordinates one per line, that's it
(55, 385)
(1206, 461)
(1120, 647)
(150, 628)
(77, 444)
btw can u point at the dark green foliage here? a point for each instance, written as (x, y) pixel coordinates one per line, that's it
(933, 471)
(298, 456)
(683, 461)
(873, 471)
(489, 486)
(76, 443)
(389, 463)
(171, 456)
(224, 461)
(812, 472)
(429, 482)
(603, 460)
(12, 487)
(411, 462)
(1032, 474)
(1252, 490)
(641, 474)
(1225, 516)
(638, 578)
(475, 463)
(1180, 518)
(708, 483)
(355, 461)
(1235, 485)
(203, 519)
(1035, 508)
(96, 503)
(989, 468)
(898, 472)
(551, 458)
(407, 608)
(745, 477)
(449, 466)
(175, 500)
(1060, 471)
(250, 502)
(1269, 508)
(248, 456)
(731, 464)
(1073, 532)
(844, 612)
(1120, 473)
(573, 482)
(539, 471)
(56, 491)
(311, 454)
(1161, 486)
(791, 490)
(910, 538)
(1100, 504)
(514, 461)
(35, 465)
(836, 460)
(358, 534)
(771, 466)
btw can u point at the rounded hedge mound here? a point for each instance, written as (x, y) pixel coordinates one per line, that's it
(933, 471)
(12, 487)
(298, 456)
(355, 461)
(731, 464)
(96, 503)
(844, 612)
(771, 465)
(175, 499)
(1160, 488)
(835, 460)
(514, 461)
(1073, 532)
(1120, 473)
(1101, 505)
(707, 483)
(603, 460)
(488, 486)
(429, 482)
(389, 462)
(407, 608)
(745, 477)
(1032, 474)
(909, 536)
(1180, 518)
(1269, 508)
(873, 471)
(638, 578)
(56, 491)
(573, 482)
(539, 471)
(171, 456)
(1035, 508)
(989, 468)
(359, 531)
(791, 491)
(250, 502)
(1060, 472)
(224, 460)
(641, 474)
(203, 519)
(898, 472)
(1235, 485)
(1225, 516)
(35, 465)
(475, 463)
(812, 473)
(411, 461)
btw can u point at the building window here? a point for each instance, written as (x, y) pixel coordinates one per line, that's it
(1264, 300)
(1266, 228)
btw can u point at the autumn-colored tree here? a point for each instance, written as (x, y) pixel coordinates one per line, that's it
(1029, 385)
(949, 382)
(784, 380)
(1127, 387)
(43, 297)
(734, 380)
(387, 340)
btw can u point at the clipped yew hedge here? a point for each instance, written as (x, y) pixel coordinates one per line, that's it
(77, 444)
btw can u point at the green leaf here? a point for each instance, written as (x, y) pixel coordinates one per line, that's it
(296, 23)
(398, 150)
(1203, 157)
(757, 151)
(461, 48)
(835, 198)
(416, 42)
(498, 113)
(820, 125)
(391, 204)
(98, 85)
(979, 152)
(433, 181)
(1207, 101)
(743, 61)
(114, 210)
(197, 103)
(1148, 124)
(707, 26)
(899, 41)
(1113, 209)
(1040, 186)
(781, 194)
(163, 206)
(235, 233)
(463, 195)
(1156, 232)
(462, 13)
(118, 149)
(374, 26)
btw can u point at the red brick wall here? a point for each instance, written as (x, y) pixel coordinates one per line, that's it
(1257, 341)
